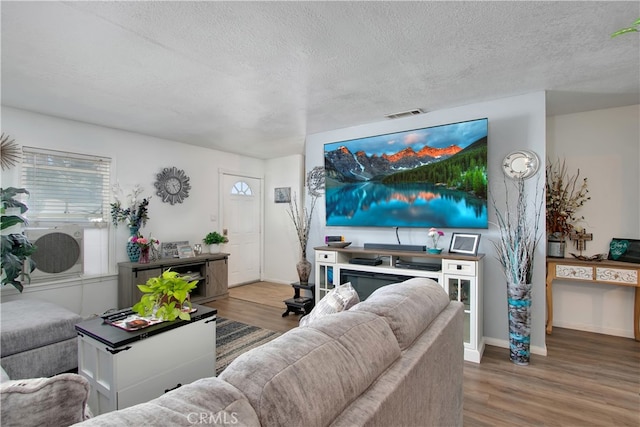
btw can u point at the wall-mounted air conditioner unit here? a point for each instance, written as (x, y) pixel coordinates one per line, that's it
(59, 253)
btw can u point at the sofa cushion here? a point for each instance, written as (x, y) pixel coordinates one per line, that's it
(309, 375)
(208, 401)
(57, 401)
(30, 323)
(340, 298)
(399, 303)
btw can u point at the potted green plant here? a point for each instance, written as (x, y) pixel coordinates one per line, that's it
(213, 239)
(16, 248)
(164, 297)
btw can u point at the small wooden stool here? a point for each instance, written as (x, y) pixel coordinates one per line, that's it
(298, 304)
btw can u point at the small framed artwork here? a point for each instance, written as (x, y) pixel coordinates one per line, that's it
(170, 249)
(465, 243)
(185, 251)
(624, 250)
(282, 195)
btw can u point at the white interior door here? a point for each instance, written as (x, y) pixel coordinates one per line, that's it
(241, 215)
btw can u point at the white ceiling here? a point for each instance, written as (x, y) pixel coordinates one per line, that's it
(256, 77)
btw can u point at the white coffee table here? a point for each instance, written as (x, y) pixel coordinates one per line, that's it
(126, 368)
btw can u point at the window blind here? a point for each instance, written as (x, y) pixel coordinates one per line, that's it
(66, 187)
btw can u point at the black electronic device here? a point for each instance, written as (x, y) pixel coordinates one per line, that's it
(365, 261)
(393, 247)
(427, 266)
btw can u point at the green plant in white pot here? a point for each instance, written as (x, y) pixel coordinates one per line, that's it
(213, 239)
(164, 297)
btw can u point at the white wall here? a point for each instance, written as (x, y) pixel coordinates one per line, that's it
(136, 160)
(605, 146)
(514, 123)
(280, 234)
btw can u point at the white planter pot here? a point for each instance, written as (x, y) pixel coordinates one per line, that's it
(214, 249)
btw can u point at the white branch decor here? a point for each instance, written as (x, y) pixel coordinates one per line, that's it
(519, 237)
(519, 232)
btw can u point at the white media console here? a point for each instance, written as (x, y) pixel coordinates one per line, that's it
(459, 275)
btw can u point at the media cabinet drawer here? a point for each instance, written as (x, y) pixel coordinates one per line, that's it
(326, 256)
(464, 268)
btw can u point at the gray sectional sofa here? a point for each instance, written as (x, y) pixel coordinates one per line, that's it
(395, 359)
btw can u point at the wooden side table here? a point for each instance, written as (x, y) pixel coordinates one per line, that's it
(299, 304)
(606, 272)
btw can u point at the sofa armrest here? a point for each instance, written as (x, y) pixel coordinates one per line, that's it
(60, 400)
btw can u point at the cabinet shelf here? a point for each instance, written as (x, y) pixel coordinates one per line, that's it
(210, 270)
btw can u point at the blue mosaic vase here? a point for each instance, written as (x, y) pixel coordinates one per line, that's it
(133, 250)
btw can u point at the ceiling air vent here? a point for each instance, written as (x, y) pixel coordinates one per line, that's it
(402, 114)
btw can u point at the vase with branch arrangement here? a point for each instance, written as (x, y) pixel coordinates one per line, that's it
(302, 220)
(132, 211)
(519, 237)
(565, 195)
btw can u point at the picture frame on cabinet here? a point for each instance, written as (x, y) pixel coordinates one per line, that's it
(465, 243)
(170, 249)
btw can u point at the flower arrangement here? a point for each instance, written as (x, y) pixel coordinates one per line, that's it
(435, 235)
(564, 195)
(142, 242)
(137, 212)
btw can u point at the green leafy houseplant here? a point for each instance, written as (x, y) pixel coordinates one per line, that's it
(214, 238)
(16, 248)
(164, 297)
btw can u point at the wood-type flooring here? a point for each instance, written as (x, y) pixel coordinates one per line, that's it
(586, 379)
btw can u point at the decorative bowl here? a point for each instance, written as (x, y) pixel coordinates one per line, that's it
(434, 250)
(338, 244)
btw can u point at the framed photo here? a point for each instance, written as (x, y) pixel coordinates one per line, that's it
(624, 250)
(185, 251)
(170, 249)
(282, 195)
(465, 243)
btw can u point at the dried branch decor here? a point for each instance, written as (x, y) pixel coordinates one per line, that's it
(519, 232)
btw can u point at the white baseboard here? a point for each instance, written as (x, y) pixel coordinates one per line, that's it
(598, 329)
(534, 349)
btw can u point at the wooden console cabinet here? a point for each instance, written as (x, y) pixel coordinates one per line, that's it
(459, 275)
(209, 269)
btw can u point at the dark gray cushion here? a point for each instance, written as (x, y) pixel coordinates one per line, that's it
(30, 323)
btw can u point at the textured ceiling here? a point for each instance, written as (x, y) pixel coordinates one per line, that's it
(256, 77)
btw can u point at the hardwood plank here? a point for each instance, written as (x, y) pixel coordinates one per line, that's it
(586, 379)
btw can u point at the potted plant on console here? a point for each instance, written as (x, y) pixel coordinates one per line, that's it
(164, 297)
(213, 240)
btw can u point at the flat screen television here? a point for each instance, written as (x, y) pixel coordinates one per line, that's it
(429, 177)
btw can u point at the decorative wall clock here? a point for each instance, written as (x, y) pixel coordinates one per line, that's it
(521, 164)
(172, 185)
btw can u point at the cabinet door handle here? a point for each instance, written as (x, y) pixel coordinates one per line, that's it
(167, 390)
(117, 350)
(210, 320)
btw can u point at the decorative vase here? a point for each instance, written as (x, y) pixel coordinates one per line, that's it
(133, 250)
(434, 250)
(304, 270)
(519, 311)
(144, 256)
(214, 249)
(555, 246)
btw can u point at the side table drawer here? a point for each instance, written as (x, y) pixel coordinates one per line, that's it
(462, 268)
(617, 275)
(574, 272)
(158, 385)
(328, 257)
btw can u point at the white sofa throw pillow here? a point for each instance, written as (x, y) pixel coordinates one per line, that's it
(340, 298)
